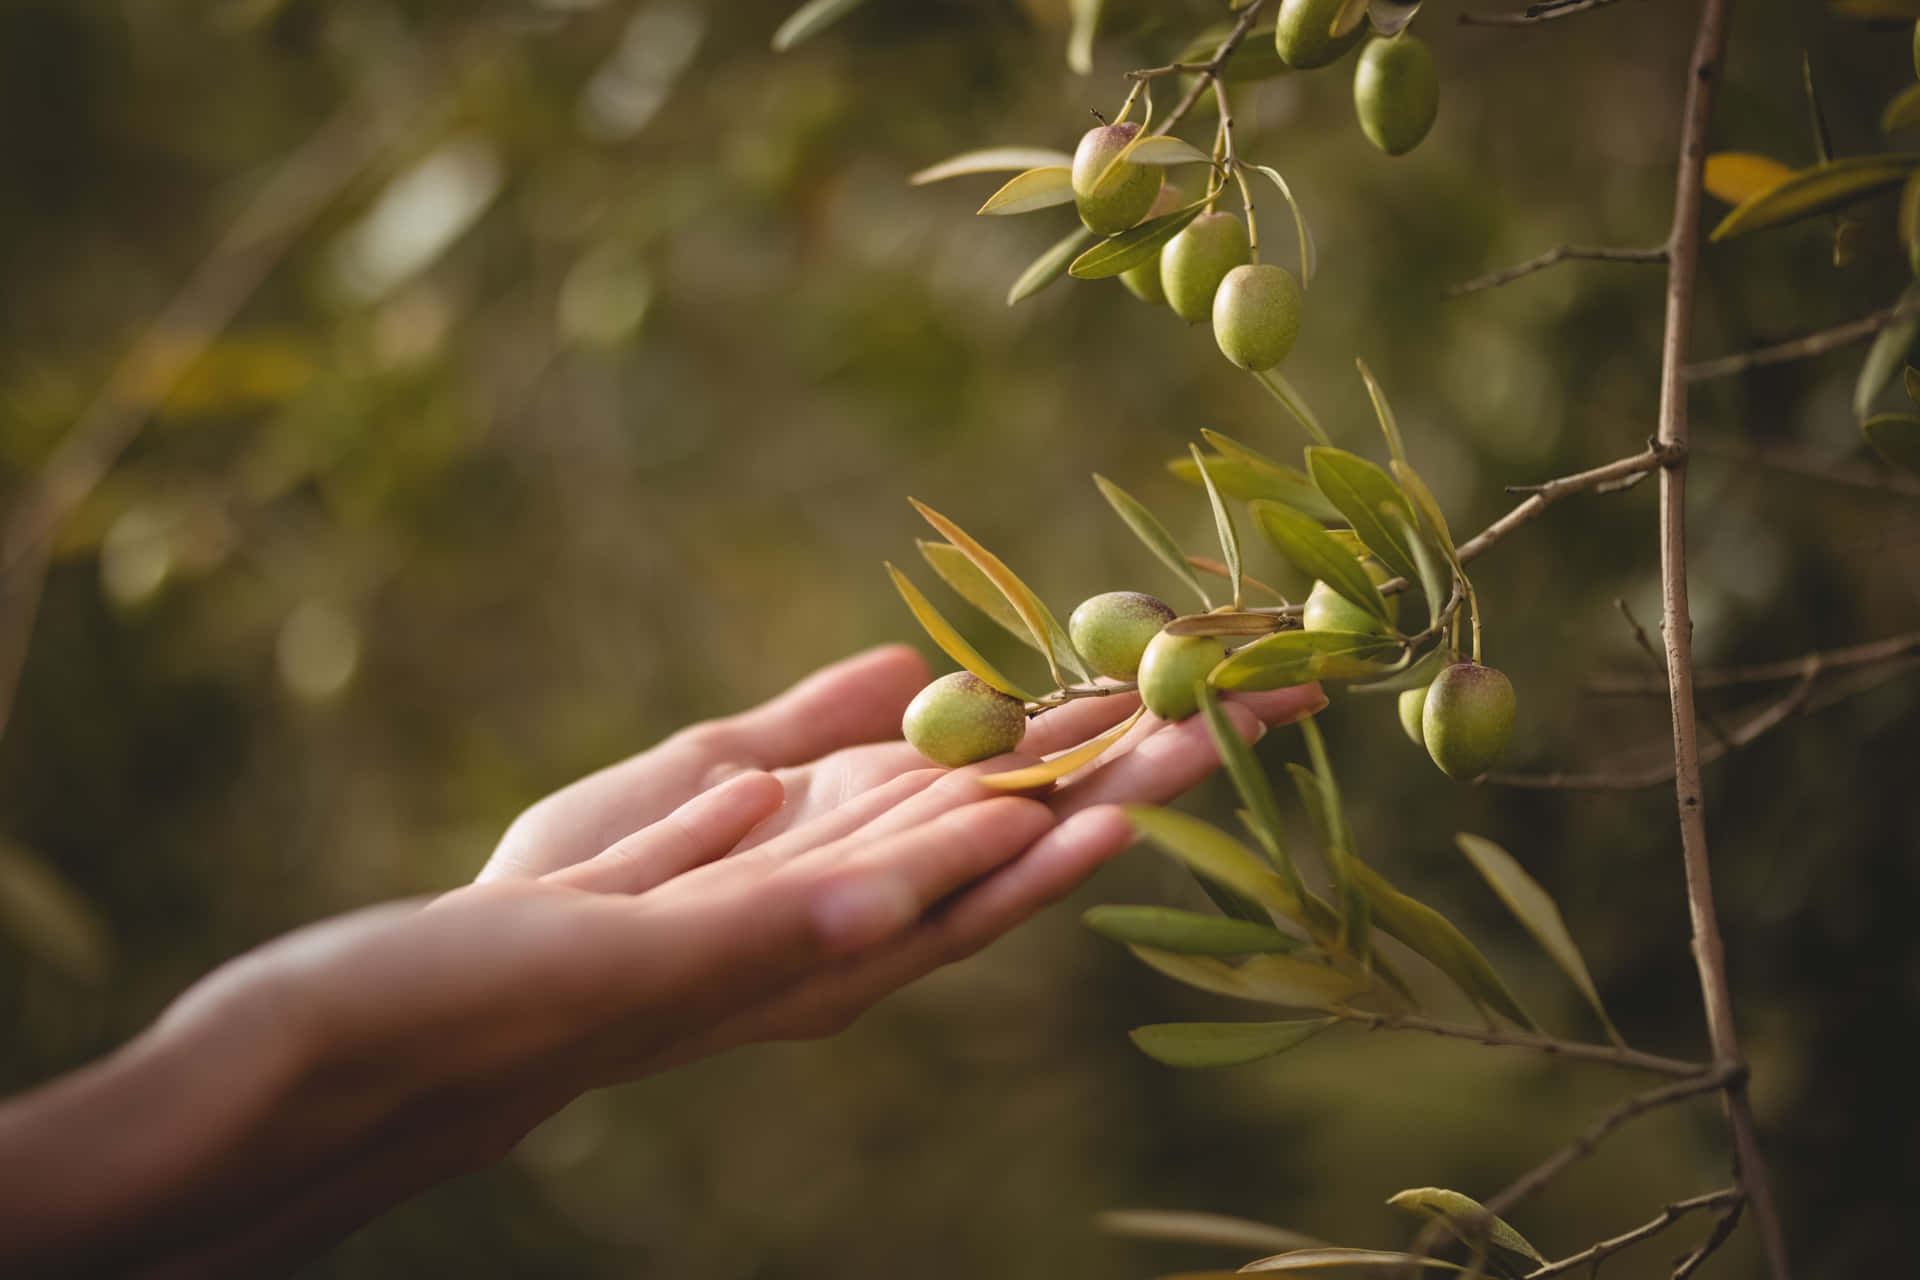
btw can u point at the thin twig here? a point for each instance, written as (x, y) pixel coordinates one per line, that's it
(1676, 624)
(1722, 1228)
(1544, 11)
(1658, 663)
(1859, 655)
(1724, 1198)
(1612, 1055)
(1812, 344)
(1565, 253)
(1211, 71)
(1798, 462)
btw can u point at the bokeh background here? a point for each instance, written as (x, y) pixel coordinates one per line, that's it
(593, 352)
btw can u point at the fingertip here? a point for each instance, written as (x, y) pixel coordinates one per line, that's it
(1283, 706)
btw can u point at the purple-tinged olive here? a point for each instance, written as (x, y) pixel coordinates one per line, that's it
(1468, 719)
(960, 718)
(1112, 630)
(1111, 206)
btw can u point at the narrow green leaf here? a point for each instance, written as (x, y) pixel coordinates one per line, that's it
(1150, 531)
(1433, 937)
(1886, 357)
(1051, 770)
(1165, 149)
(1281, 980)
(48, 919)
(1049, 266)
(1223, 1044)
(1822, 138)
(1246, 481)
(973, 586)
(810, 20)
(1903, 112)
(1230, 623)
(1086, 23)
(1188, 933)
(1302, 540)
(1895, 437)
(1470, 1222)
(1290, 658)
(1428, 506)
(1283, 391)
(1436, 575)
(1356, 920)
(1820, 189)
(1389, 425)
(1040, 622)
(1223, 526)
(1416, 673)
(1039, 188)
(1309, 259)
(1366, 497)
(1262, 813)
(1182, 1227)
(1133, 246)
(992, 160)
(1910, 378)
(1536, 910)
(951, 642)
(1324, 1259)
(1217, 856)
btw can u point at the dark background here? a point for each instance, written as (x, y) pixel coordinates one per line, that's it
(589, 407)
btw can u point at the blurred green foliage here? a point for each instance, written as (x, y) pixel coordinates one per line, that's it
(589, 407)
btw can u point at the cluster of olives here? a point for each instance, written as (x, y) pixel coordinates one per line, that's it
(1396, 92)
(1205, 272)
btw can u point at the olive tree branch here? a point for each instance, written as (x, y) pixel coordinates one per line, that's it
(1210, 70)
(1859, 655)
(1722, 1228)
(1801, 348)
(1578, 1050)
(1676, 624)
(1779, 458)
(1564, 253)
(1725, 1198)
(1542, 11)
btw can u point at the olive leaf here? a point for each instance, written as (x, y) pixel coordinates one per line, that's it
(1309, 259)
(1436, 575)
(951, 642)
(1887, 355)
(1350, 15)
(1164, 149)
(1391, 17)
(1223, 526)
(1288, 658)
(1214, 855)
(1356, 921)
(1182, 1227)
(973, 586)
(50, 920)
(1150, 531)
(1214, 568)
(1305, 543)
(1389, 425)
(1535, 909)
(1819, 189)
(1910, 378)
(810, 20)
(1903, 112)
(1738, 176)
(1366, 496)
(1262, 812)
(1086, 22)
(1225, 623)
(1039, 188)
(1414, 675)
(1293, 480)
(992, 160)
(1283, 391)
(1223, 1044)
(1188, 933)
(1280, 980)
(1470, 1222)
(1429, 508)
(1438, 941)
(1816, 114)
(1246, 481)
(1040, 621)
(1895, 437)
(1051, 770)
(1133, 246)
(1318, 1259)
(1049, 266)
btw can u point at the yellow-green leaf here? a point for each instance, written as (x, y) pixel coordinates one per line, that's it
(50, 920)
(1895, 437)
(951, 642)
(1886, 356)
(1040, 621)
(1222, 524)
(1903, 112)
(1212, 853)
(1290, 400)
(1280, 980)
(973, 586)
(1184, 1227)
(1133, 246)
(1435, 939)
(1223, 1044)
(1050, 771)
(1290, 658)
(1165, 149)
(992, 160)
(1351, 14)
(1303, 541)
(1230, 622)
(1150, 531)
(1470, 1223)
(1049, 266)
(1188, 933)
(1367, 497)
(1819, 189)
(1086, 22)
(1246, 481)
(1262, 813)
(1738, 176)
(810, 20)
(1535, 909)
(1428, 506)
(1039, 188)
(1331, 1259)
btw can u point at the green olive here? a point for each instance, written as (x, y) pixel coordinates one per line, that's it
(1111, 204)
(1468, 719)
(1172, 669)
(960, 718)
(1303, 33)
(1256, 315)
(1113, 629)
(1193, 263)
(1143, 281)
(1328, 610)
(1396, 92)
(1413, 708)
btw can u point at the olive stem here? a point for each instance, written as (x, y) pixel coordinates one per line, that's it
(1725, 1198)
(1069, 693)
(1805, 347)
(1859, 655)
(1612, 1055)
(1538, 12)
(1312, 428)
(1563, 253)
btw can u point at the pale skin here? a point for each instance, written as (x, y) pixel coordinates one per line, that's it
(764, 877)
